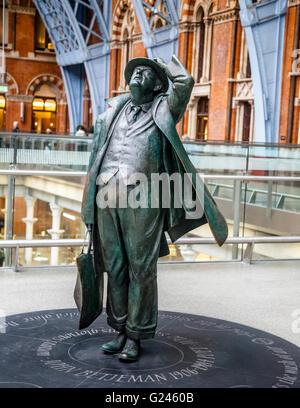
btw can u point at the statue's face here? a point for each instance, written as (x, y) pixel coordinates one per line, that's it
(143, 77)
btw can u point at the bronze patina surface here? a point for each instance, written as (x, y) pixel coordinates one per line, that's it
(138, 133)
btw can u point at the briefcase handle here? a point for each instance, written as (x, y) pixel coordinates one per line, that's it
(89, 232)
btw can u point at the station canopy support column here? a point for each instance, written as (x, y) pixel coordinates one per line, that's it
(79, 31)
(264, 24)
(160, 40)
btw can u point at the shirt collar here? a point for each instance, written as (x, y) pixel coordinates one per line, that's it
(145, 106)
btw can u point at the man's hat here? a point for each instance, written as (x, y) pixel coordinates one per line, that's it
(136, 62)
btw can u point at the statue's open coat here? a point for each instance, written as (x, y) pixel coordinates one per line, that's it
(167, 110)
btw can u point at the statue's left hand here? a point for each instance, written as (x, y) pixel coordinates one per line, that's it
(90, 234)
(163, 66)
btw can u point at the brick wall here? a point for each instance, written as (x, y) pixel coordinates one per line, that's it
(24, 64)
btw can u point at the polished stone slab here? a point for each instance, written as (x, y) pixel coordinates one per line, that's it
(46, 349)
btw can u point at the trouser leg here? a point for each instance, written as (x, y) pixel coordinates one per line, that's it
(116, 265)
(142, 229)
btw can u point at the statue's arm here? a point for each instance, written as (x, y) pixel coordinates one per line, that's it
(183, 83)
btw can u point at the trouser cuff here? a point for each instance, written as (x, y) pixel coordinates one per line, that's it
(119, 327)
(139, 335)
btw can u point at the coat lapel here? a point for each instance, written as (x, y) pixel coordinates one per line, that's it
(166, 124)
(105, 121)
(115, 105)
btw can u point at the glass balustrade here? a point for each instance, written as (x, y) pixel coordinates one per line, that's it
(44, 152)
(48, 207)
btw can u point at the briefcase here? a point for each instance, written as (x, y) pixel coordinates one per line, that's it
(88, 292)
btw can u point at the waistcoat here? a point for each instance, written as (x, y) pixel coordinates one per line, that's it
(135, 148)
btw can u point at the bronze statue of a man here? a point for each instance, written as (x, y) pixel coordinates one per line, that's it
(138, 134)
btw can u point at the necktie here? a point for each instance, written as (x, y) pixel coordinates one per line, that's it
(133, 113)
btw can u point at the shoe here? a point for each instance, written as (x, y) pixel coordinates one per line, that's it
(131, 350)
(116, 345)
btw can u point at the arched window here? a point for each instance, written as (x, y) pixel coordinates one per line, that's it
(244, 67)
(201, 29)
(42, 39)
(6, 22)
(44, 110)
(202, 118)
(201, 42)
(243, 99)
(125, 44)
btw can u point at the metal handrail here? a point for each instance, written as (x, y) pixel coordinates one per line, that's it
(46, 136)
(254, 190)
(247, 257)
(39, 243)
(18, 172)
(184, 140)
(63, 173)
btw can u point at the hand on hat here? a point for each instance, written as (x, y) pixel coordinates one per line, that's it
(163, 65)
(172, 68)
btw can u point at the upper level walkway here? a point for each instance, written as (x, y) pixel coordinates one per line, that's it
(257, 187)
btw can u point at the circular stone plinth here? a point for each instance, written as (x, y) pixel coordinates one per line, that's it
(45, 349)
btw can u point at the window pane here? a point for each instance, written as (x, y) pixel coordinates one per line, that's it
(2, 101)
(1, 26)
(38, 104)
(50, 105)
(40, 33)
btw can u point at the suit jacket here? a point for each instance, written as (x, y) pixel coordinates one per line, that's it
(167, 110)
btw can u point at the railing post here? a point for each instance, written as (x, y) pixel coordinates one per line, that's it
(237, 195)
(15, 258)
(248, 253)
(10, 196)
(269, 203)
(9, 214)
(14, 145)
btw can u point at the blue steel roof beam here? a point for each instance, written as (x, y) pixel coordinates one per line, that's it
(163, 42)
(44, 15)
(171, 10)
(89, 31)
(73, 76)
(106, 12)
(63, 30)
(72, 50)
(75, 8)
(155, 12)
(97, 66)
(144, 23)
(59, 16)
(47, 18)
(74, 23)
(264, 24)
(101, 21)
(94, 7)
(84, 4)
